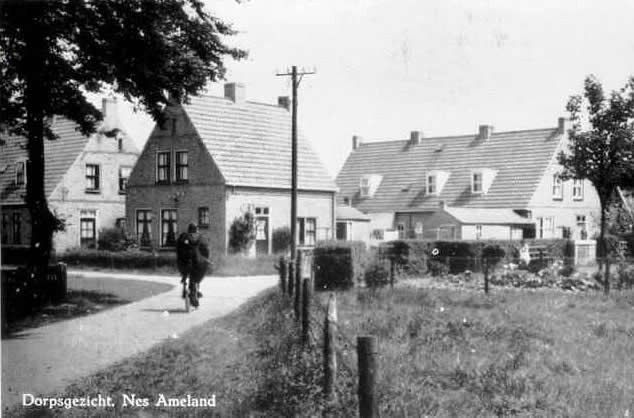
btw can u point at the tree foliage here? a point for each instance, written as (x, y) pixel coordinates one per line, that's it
(242, 232)
(601, 144)
(51, 52)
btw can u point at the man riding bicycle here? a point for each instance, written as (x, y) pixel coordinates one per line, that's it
(192, 258)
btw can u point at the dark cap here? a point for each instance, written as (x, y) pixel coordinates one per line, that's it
(192, 228)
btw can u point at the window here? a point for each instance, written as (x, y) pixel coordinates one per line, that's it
(344, 231)
(163, 167)
(144, 227)
(364, 186)
(92, 178)
(431, 184)
(478, 234)
(120, 144)
(582, 226)
(181, 166)
(401, 230)
(121, 223)
(545, 227)
(168, 227)
(307, 231)
(476, 182)
(261, 210)
(5, 228)
(203, 217)
(558, 189)
(124, 174)
(17, 228)
(418, 228)
(577, 189)
(346, 201)
(20, 173)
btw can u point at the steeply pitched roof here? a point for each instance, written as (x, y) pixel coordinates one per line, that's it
(59, 156)
(251, 144)
(487, 216)
(520, 158)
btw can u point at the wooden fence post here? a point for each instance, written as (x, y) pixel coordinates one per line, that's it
(485, 264)
(298, 288)
(282, 270)
(330, 358)
(291, 282)
(366, 354)
(306, 300)
(392, 273)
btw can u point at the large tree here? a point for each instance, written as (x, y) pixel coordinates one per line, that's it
(601, 147)
(51, 52)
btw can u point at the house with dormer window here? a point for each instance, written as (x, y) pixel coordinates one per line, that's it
(488, 185)
(85, 181)
(217, 158)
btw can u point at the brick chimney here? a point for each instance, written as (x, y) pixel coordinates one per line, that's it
(485, 132)
(284, 101)
(563, 125)
(110, 111)
(236, 92)
(356, 142)
(415, 137)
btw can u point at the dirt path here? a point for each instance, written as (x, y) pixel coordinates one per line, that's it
(45, 360)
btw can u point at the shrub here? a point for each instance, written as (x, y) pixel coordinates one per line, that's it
(437, 268)
(625, 276)
(339, 264)
(377, 274)
(115, 239)
(242, 233)
(281, 239)
(493, 254)
(409, 256)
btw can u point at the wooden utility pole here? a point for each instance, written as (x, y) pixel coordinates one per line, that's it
(295, 80)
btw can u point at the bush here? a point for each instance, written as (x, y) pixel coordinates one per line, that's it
(409, 256)
(437, 268)
(119, 260)
(115, 239)
(242, 233)
(493, 254)
(281, 239)
(377, 274)
(625, 276)
(339, 264)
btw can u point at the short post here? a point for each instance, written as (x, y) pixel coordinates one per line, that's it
(485, 265)
(392, 273)
(282, 270)
(330, 359)
(306, 300)
(291, 282)
(366, 354)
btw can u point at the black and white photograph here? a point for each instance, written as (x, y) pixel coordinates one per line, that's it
(301, 208)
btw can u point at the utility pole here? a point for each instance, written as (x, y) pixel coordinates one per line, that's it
(295, 80)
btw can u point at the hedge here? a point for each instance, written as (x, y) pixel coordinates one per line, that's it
(118, 259)
(465, 255)
(339, 264)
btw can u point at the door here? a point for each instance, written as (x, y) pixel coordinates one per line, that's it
(88, 233)
(262, 235)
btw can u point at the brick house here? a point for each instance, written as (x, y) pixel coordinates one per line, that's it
(485, 186)
(217, 158)
(85, 181)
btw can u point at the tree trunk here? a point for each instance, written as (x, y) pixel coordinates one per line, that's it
(36, 95)
(604, 248)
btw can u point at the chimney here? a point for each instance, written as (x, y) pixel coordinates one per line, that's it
(110, 112)
(485, 132)
(356, 142)
(235, 92)
(415, 137)
(284, 101)
(563, 125)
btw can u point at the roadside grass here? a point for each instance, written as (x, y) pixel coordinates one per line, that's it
(87, 296)
(441, 353)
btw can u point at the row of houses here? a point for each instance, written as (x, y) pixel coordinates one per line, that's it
(217, 158)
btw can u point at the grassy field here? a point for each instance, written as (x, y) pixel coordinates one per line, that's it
(441, 353)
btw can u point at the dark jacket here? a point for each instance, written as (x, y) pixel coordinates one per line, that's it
(192, 254)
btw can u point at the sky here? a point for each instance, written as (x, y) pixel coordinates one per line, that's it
(385, 68)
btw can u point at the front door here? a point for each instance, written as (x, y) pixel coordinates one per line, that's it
(262, 235)
(87, 233)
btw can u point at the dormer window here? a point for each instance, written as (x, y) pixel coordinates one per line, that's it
(476, 182)
(435, 181)
(558, 187)
(368, 185)
(431, 184)
(481, 180)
